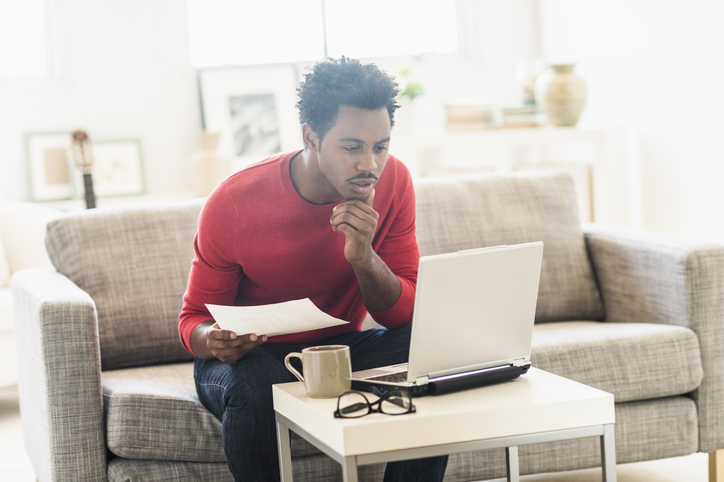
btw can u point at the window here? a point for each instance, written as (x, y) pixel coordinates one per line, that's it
(243, 32)
(234, 32)
(23, 39)
(387, 28)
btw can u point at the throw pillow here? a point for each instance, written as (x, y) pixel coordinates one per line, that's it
(134, 262)
(469, 212)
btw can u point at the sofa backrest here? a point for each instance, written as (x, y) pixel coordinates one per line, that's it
(492, 209)
(134, 263)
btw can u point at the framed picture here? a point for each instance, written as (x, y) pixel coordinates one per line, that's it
(117, 169)
(253, 108)
(50, 165)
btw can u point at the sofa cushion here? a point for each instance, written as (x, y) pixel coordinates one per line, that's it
(672, 421)
(633, 361)
(134, 263)
(487, 210)
(129, 470)
(153, 413)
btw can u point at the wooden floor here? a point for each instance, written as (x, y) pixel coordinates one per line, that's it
(15, 465)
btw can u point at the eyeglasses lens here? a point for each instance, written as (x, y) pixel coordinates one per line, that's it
(353, 404)
(396, 403)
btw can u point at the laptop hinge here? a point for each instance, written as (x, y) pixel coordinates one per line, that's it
(519, 362)
(421, 380)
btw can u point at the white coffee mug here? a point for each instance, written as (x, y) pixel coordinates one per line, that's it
(327, 370)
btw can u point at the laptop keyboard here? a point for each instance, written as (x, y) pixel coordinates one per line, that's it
(392, 377)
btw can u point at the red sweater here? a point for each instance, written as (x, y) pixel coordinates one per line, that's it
(259, 242)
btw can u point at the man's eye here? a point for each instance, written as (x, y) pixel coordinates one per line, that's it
(351, 148)
(381, 148)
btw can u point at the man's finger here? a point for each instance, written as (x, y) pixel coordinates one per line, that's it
(250, 344)
(353, 214)
(370, 199)
(345, 229)
(218, 334)
(234, 350)
(254, 339)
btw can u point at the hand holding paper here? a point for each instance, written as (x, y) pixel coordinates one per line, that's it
(272, 320)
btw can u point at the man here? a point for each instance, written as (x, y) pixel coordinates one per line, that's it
(335, 223)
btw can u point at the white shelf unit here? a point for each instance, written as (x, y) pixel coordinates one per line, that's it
(610, 155)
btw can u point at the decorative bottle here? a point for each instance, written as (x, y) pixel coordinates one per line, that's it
(208, 168)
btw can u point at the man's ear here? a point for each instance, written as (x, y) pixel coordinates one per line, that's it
(309, 137)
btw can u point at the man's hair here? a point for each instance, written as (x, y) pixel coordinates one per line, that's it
(332, 83)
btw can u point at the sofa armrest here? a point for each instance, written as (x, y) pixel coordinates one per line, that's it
(652, 278)
(60, 394)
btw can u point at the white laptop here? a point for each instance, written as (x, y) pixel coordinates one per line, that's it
(472, 324)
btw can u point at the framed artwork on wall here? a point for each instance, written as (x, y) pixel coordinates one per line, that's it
(253, 108)
(117, 169)
(50, 166)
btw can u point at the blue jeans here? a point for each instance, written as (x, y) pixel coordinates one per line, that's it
(240, 396)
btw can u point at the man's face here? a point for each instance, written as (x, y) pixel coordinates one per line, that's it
(354, 151)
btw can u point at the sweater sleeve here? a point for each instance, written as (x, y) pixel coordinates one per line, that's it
(400, 251)
(214, 277)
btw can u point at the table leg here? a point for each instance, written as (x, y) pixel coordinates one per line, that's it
(608, 454)
(285, 452)
(511, 464)
(349, 469)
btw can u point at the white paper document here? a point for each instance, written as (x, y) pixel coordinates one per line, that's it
(272, 320)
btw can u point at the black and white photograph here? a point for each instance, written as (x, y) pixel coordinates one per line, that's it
(254, 125)
(253, 108)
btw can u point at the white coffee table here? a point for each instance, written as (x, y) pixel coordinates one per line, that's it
(537, 407)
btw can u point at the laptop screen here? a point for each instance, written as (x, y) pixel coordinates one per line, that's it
(474, 309)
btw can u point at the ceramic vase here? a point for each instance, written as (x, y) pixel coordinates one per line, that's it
(208, 168)
(561, 94)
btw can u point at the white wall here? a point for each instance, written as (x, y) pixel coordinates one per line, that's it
(123, 72)
(655, 67)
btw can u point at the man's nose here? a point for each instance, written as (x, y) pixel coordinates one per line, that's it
(367, 163)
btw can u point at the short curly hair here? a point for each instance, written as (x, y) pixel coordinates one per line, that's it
(332, 83)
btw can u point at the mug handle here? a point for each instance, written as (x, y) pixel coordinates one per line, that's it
(291, 368)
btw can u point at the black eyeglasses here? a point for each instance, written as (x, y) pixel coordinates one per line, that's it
(355, 405)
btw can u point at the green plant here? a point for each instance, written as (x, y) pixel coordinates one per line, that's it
(410, 90)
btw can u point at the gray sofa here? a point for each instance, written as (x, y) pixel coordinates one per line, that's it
(107, 391)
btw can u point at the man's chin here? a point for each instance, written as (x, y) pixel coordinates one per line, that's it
(354, 196)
